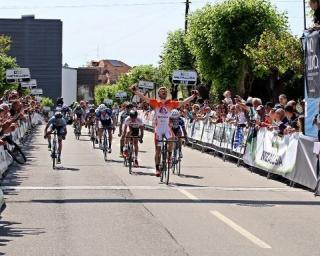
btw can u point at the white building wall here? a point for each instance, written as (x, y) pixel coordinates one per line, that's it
(69, 85)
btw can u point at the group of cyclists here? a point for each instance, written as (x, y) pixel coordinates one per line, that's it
(167, 123)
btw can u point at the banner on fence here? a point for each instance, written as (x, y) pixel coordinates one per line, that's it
(271, 152)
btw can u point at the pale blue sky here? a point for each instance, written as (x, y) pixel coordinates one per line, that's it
(129, 30)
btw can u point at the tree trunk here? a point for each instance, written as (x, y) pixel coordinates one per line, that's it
(241, 89)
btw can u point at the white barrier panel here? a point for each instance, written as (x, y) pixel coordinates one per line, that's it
(272, 153)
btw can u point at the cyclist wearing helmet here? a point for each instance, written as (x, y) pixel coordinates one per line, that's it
(135, 124)
(58, 123)
(178, 126)
(123, 117)
(104, 121)
(90, 118)
(162, 108)
(79, 115)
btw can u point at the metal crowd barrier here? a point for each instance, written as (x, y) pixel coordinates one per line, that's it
(262, 149)
(18, 136)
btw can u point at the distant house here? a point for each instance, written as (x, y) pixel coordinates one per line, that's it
(109, 70)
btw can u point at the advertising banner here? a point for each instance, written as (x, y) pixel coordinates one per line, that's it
(240, 139)
(208, 133)
(197, 130)
(274, 153)
(312, 81)
(227, 136)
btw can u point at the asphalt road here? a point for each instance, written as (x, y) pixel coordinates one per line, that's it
(91, 207)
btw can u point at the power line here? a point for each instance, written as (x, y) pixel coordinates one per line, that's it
(89, 5)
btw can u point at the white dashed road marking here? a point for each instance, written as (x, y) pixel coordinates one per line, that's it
(241, 230)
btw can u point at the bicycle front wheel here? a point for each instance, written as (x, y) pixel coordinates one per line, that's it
(105, 147)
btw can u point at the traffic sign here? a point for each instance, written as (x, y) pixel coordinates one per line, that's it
(17, 73)
(31, 84)
(37, 91)
(121, 95)
(146, 85)
(184, 77)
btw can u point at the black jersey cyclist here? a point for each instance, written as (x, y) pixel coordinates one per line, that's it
(133, 126)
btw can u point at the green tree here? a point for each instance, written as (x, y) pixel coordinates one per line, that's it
(278, 58)
(218, 34)
(102, 92)
(6, 62)
(176, 54)
(47, 102)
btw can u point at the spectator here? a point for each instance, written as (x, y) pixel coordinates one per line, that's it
(315, 6)
(281, 121)
(227, 98)
(292, 118)
(282, 101)
(269, 106)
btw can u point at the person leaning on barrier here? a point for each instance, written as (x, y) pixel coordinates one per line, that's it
(292, 118)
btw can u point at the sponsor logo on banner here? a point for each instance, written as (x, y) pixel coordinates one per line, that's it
(274, 153)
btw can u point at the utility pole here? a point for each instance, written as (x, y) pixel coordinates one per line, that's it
(304, 15)
(186, 16)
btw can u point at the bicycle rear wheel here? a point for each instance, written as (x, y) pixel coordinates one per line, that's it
(54, 155)
(130, 158)
(105, 147)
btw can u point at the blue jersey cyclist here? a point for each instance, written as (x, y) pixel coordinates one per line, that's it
(59, 124)
(104, 121)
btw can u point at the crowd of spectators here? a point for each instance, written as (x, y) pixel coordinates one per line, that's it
(14, 107)
(284, 116)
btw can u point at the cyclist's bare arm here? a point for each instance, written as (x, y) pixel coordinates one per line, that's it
(141, 131)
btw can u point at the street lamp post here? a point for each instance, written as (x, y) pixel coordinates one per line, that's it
(304, 15)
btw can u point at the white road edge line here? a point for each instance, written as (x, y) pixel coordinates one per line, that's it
(241, 230)
(189, 195)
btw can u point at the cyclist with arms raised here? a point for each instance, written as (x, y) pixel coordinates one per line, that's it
(162, 108)
(135, 124)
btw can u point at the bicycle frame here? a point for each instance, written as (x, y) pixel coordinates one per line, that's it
(129, 160)
(54, 149)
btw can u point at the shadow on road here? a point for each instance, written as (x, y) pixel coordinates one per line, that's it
(10, 230)
(62, 168)
(190, 176)
(175, 201)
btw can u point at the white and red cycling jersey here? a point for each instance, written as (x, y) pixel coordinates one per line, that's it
(162, 117)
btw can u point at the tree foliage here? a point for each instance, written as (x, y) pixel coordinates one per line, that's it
(47, 102)
(141, 72)
(219, 33)
(279, 59)
(176, 54)
(6, 62)
(274, 53)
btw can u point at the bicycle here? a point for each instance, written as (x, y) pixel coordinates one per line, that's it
(164, 163)
(92, 130)
(14, 150)
(177, 156)
(54, 152)
(129, 160)
(105, 144)
(77, 129)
